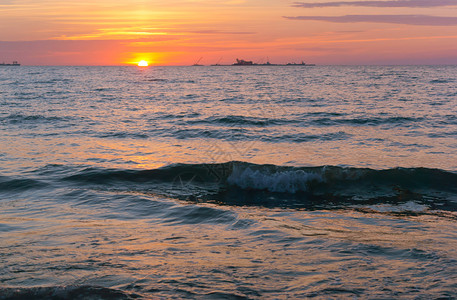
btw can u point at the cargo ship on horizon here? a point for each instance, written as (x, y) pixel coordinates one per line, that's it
(242, 62)
(14, 64)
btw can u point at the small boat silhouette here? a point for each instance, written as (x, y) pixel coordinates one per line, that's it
(196, 64)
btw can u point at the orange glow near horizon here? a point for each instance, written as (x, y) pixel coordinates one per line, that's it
(179, 32)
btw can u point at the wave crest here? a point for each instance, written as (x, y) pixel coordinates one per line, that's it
(242, 183)
(288, 181)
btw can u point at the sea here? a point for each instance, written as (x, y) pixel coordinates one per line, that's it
(228, 182)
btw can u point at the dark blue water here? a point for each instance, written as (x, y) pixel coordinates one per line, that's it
(228, 182)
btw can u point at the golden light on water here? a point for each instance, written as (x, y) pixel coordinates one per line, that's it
(143, 63)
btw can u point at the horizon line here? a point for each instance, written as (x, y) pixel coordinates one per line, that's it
(257, 65)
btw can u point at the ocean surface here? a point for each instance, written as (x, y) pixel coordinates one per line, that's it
(284, 182)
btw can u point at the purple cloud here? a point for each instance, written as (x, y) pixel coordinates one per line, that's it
(391, 3)
(395, 19)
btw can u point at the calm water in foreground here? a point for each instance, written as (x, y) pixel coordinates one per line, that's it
(228, 182)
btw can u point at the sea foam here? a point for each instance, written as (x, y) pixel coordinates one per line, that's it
(281, 181)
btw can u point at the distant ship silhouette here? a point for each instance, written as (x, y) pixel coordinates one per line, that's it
(197, 62)
(15, 63)
(242, 62)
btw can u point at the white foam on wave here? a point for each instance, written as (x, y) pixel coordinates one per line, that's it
(287, 181)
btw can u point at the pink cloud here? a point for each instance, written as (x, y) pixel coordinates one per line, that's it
(395, 19)
(392, 3)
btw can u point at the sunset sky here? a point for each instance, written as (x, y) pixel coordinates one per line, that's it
(179, 32)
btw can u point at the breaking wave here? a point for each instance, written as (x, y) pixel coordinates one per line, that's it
(285, 181)
(241, 183)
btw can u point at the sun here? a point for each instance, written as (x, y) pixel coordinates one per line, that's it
(143, 63)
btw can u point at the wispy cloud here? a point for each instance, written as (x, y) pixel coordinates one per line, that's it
(220, 32)
(395, 19)
(391, 3)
